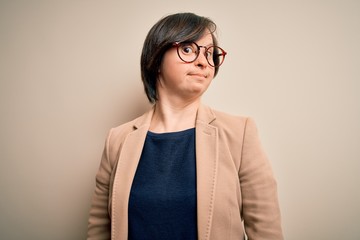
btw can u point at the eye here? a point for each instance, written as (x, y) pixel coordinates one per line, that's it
(209, 54)
(188, 49)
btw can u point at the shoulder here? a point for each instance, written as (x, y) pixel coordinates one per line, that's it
(230, 122)
(117, 135)
(234, 127)
(229, 118)
(120, 132)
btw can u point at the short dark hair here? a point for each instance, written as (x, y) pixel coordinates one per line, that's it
(178, 27)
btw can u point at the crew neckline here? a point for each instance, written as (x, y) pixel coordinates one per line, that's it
(177, 133)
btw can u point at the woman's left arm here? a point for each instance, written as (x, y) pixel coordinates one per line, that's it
(260, 207)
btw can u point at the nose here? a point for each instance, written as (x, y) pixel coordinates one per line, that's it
(201, 60)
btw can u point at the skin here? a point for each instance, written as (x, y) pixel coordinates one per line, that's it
(180, 87)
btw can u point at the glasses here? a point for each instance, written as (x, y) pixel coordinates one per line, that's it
(189, 52)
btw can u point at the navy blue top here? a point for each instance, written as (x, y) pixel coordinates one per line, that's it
(162, 202)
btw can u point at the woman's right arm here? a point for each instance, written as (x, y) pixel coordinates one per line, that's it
(99, 226)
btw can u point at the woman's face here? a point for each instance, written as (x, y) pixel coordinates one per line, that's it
(185, 81)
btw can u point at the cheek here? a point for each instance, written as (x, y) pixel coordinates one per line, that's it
(171, 66)
(169, 61)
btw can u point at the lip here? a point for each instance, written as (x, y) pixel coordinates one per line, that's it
(198, 75)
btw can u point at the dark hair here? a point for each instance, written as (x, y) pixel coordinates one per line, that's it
(178, 27)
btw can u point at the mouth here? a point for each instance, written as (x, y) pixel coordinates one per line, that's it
(199, 75)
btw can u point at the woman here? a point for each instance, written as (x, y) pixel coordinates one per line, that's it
(183, 170)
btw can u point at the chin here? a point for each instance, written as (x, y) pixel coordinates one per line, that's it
(198, 91)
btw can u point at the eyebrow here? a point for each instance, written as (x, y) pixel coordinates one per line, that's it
(207, 45)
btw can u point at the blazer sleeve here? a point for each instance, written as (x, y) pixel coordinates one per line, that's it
(99, 225)
(260, 208)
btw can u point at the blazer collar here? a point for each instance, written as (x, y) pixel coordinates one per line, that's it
(145, 119)
(206, 170)
(205, 114)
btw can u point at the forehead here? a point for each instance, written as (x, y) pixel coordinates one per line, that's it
(205, 39)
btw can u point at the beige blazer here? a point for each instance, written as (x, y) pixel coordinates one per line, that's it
(236, 190)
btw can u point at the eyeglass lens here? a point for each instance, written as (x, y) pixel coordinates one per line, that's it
(189, 52)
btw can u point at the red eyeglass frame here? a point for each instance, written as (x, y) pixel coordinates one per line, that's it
(177, 44)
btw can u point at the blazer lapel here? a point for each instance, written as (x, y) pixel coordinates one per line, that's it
(206, 169)
(125, 171)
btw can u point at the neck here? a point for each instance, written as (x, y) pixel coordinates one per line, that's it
(170, 117)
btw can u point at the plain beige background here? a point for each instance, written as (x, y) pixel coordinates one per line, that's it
(69, 70)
